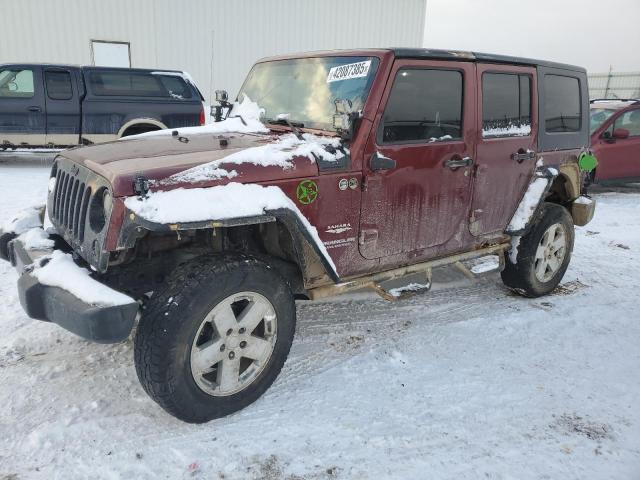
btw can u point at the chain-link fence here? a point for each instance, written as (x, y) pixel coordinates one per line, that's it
(614, 85)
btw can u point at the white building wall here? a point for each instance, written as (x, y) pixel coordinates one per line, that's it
(215, 41)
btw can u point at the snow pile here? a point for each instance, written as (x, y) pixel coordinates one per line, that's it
(440, 139)
(233, 200)
(243, 118)
(582, 200)
(528, 204)
(61, 271)
(513, 251)
(278, 153)
(25, 220)
(486, 264)
(412, 287)
(510, 131)
(36, 239)
(208, 171)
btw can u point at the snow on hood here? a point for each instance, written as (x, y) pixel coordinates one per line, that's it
(219, 203)
(245, 110)
(279, 153)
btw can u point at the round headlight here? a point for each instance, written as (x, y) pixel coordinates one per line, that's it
(97, 213)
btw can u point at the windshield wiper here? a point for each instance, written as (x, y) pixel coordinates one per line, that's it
(295, 126)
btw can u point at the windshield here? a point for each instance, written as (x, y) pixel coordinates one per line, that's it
(599, 116)
(306, 88)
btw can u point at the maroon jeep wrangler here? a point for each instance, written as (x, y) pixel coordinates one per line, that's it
(332, 172)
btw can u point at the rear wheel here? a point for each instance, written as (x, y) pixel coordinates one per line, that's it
(216, 338)
(543, 253)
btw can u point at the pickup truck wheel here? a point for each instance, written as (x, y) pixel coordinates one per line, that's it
(215, 339)
(543, 254)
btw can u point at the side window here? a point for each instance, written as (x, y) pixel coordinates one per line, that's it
(424, 106)
(506, 105)
(561, 104)
(126, 84)
(176, 86)
(58, 85)
(630, 121)
(16, 83)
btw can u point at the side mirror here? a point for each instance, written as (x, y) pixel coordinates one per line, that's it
(620, 133)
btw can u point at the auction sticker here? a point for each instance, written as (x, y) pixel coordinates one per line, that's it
(349, 71)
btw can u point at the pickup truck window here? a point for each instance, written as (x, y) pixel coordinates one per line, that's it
(175, 86)
(562, 104)
(58, 85)
(424, 106)
(16, 83)
(136, 84)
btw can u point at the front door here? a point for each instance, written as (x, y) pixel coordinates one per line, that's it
(620, 157)
(22, 109)
(506, 150)
(418, 159)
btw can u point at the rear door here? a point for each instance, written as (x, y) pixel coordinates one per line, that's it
(63, 106)
(22, 107)
(426, 125)
(506, 148)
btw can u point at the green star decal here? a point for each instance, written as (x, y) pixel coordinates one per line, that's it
(307, 192)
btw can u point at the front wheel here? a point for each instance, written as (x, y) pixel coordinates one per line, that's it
(543, 253)
(216, 338)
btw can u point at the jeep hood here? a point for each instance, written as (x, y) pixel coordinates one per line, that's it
(160, 156)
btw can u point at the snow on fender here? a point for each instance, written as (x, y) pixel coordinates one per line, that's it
(234, 200)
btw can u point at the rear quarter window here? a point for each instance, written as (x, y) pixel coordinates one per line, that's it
(136, 84)
(562, 104)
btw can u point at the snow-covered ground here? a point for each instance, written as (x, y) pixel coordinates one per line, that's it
(465, 382)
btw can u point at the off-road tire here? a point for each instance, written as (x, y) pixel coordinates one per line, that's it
(172, 316)
(521, 276)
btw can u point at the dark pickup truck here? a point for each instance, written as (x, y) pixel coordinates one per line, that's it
(54, 106)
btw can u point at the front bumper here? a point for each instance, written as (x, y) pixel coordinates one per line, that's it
(99, 323)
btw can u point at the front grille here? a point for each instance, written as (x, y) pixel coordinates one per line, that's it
(70, 202)
(74, 201)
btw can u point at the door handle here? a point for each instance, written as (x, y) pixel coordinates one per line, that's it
(457, 161)
(34, 109)
(521, 155)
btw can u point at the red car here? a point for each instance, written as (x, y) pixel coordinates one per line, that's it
(615, 139)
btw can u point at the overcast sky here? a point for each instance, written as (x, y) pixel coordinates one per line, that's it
(591, 33)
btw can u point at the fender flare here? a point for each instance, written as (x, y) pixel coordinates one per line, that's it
(141, 121)
(308, 252)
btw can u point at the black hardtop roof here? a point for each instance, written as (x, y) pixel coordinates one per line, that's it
(478, 57)
(93, 67)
